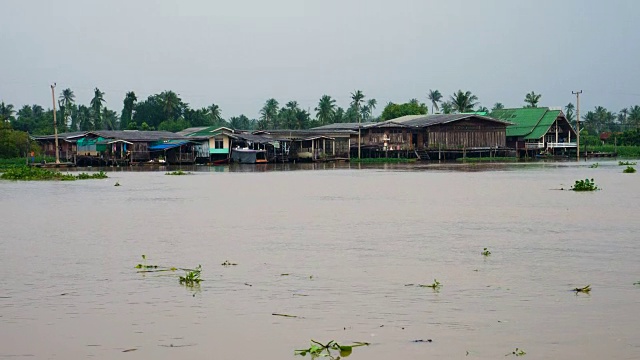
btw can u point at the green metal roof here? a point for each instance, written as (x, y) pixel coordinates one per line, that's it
(526, 121)
(543, 126)
(209, 131)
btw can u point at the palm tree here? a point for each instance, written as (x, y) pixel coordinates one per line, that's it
(463, 102)
(447, 107)
(365, 112)
(268, 114)
(127, 110)
(170, 104)
(96, 105)
(6, 111)
(371, 103)
(569, 113)
(215, 113)
(356, 98)
(532, 99)
(435, 97)
(634, 116)
(325, 110)
(498, 106)
(622, 117)
(483, 109)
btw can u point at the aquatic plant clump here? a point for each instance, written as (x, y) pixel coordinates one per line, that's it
(585, 290)
(517, 352)
(178, 173)
(626, 163)
(435, 285)
(486, 252)
(629, 170)
(329, 350)
(30, 173)
(192, 277)
(594, 166)
(584, 185)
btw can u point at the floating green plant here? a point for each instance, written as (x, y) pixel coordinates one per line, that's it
(116, 184)
(486, 252)
(329, 350)
(585, 290)
(626, 163)
(435, 285)
(191, 277)
(178, 172)
(31, 173)
(584, 185)
(517, 352)
(629, 170)
(594, 165)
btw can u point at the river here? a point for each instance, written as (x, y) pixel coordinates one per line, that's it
(337, 246)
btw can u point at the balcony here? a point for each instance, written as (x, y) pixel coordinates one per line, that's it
(533, 146)
(561, 145)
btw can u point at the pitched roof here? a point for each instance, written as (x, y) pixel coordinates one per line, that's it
(136, 135)
(543, 125)
(343, 126)
(61, 136)
(208, 131)
(525, 120)
(438, 119)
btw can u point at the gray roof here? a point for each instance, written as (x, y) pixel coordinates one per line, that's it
(137, 135)
(343, 126)
(61, 136)
(191, 130)
(430, 120)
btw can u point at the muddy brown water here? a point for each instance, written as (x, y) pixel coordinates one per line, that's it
(350, 241)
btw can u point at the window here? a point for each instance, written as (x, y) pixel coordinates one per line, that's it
(219, 144)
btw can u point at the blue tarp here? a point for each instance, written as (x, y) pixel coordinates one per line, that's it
(166, 146)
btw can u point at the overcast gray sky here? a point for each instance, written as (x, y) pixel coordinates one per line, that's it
(239, 53)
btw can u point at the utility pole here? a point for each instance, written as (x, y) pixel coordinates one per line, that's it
(55, 127)
(577, 94)
(359, 129)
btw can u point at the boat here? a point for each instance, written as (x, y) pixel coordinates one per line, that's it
(221, 161)
(249, 156)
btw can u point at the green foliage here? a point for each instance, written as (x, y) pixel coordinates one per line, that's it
(31, 173)
(517, 352)
(629, 170)
(584, 185)
(586, 289)
(15, 143)
(435, 285)
(178, 173)
(462, 102)
(331, 350)
(392, 110)
(626, 163)
(594, 166)
(532, 99)
(486, 252)
(192, 277)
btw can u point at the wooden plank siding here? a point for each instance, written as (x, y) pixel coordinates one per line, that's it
(465, 134)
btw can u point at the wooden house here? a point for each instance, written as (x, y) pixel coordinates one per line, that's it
(538, 130)
(67, 144)
(211, 142)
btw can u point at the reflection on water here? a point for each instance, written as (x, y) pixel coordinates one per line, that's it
(333, 248)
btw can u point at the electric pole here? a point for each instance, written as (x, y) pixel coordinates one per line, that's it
(359, 129)
(55, 127)
(577, 94)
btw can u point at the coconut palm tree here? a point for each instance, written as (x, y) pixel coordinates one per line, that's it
(356, 99)
(435, 97)
(634, 116)
(170, 104)
(447, 107)
(96, 105)
(268, 114)
(498, 106)
(365, 112)
(6, 111)
(532, 99)
(127, 110)
(463, 101)
(371, 103)
(483, 109)
(325, 110)
(215, 114)
(569, 113)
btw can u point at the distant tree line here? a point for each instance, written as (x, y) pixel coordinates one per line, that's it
(167, 111)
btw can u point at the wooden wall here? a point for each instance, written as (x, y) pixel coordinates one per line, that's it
(465, 134)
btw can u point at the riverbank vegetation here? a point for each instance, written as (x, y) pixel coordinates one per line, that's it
(30, 173)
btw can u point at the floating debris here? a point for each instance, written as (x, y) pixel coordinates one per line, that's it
(517, 352)
(585, 289)
(285, 315)
(227, 263)
(422, 341)
(320, 350)
(486, 252)
(129, 350)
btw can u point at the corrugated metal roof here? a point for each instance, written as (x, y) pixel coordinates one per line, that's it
(524, 120)
(421, 121)
(137, 135)
(543, 126)
(343, 126)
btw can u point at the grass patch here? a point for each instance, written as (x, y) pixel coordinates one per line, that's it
(382, 160)
(629, 170)
(623, 151)
(30, 173)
